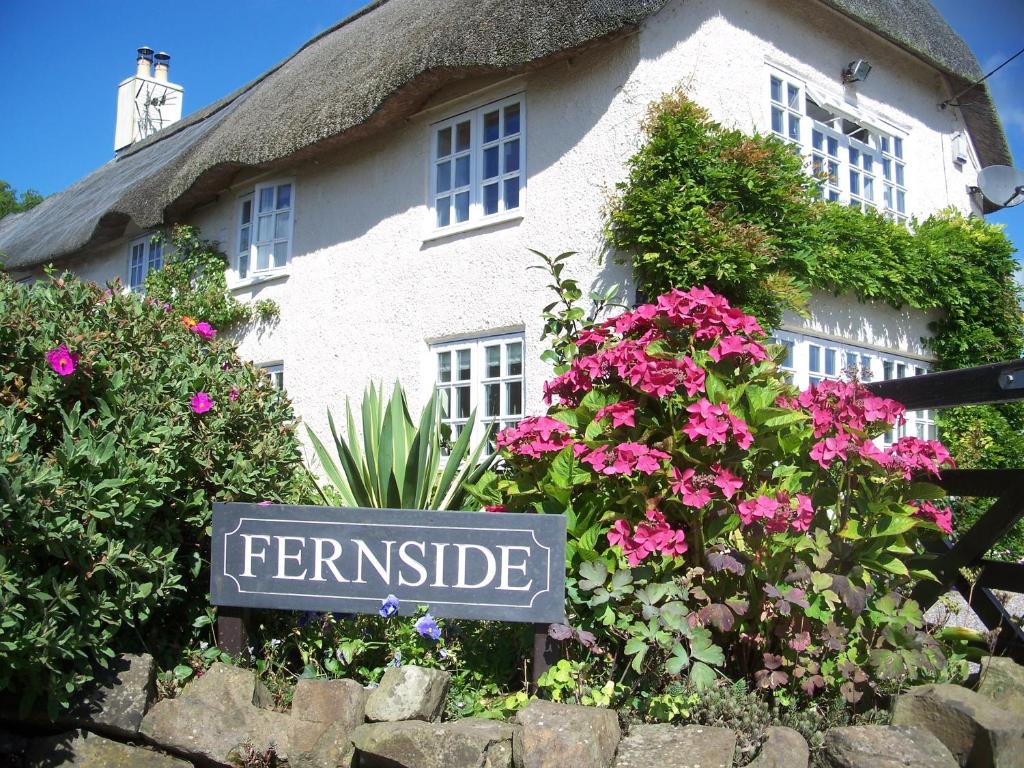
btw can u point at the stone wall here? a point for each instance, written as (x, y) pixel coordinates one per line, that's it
(224, 718)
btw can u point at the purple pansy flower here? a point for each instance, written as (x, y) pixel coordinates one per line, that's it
(427, 627)
(388, 607)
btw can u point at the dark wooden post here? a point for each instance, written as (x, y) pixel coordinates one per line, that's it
(545, 653)
(232, 629)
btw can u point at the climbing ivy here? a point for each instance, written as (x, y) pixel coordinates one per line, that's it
(705, 204)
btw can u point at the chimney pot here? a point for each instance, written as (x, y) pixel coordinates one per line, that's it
(163, 66)
(144, 62)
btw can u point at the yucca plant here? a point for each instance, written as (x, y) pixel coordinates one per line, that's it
(399, 464)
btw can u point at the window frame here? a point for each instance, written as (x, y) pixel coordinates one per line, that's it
(475, 152)
(842, 179)
(275, 372)
(479, 381)
(147, 246)
(246, 259)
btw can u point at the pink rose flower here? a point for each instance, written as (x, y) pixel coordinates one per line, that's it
(62, 360)
(201, 402)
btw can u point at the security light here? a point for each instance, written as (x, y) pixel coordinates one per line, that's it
(856, 71)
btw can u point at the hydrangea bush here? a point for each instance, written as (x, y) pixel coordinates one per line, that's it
(120, 423)
(721, 522)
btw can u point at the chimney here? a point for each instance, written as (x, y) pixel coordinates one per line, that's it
(143, 62)
(162, 68)
(146, 101)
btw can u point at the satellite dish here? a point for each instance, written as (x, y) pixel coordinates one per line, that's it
(1002, 185)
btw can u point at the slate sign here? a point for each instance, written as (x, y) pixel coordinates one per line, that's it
(471, 565)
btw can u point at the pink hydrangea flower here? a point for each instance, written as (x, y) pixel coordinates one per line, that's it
(201, 402)
(653, 535)
(621, 413)
(942, 517)
(825, 451)
(204, 330)
(737, 346)
(62, 360)
(726, 481)
(695, 495)
(714, 423)
(911, 455)
(535, 436)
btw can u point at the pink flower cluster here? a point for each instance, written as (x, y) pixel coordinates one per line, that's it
(622, 459)
(911, 455)
(535, 436)
(940, 516)
(62, 360)
(621, 413)
(651, 535)
(779, 513)
(203, 330)
(714, 423)
(694, 488)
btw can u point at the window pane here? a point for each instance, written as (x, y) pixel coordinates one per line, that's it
(280, 254)
(266, 199)
(899, 174)
(884, 142)
(833, 146)
(901, 370)
(444, 142)
(444, 176)
(247, 211)
(444, 366)
(462, 206)
(851, 359)
(818, 139)
(462, 171)
(887, 369)
(854, 156)
(794, 127)
(511, 119)
(490, 162)
(869, 188)
(263, 228)
(464, 364)
(514, 398)
(491, 126)
(514, 361)
(446, 402)
(794, 97)
(492, 356)
(490, 199)
(813, 357)
(492, 399)
(866, 162)
(830, 362)
(156, 256)
(776, 89)
(901, 201)
(462, 133)
(243, 239)
(854, 183)
(263, 256)
(887, 168)
(243, 257)
(897, 144)
(284, 196)
(462, 400)
(776, 120)
(443, 211)
(512, 156)
(281, 224)
(511, 193)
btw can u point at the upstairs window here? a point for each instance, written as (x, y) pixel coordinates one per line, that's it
(477, 164)
(485, 375)
(144, 256)
(265, 228)
(856, 165)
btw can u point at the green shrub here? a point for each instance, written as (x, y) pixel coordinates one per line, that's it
(108, 473)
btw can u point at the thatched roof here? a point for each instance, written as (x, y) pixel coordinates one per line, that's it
(374, 67)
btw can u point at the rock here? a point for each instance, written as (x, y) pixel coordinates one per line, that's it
(671, 746)
(324, 714)
(562, 735)
(408, 693)
(783, 748)
(978, 731)
(87, 750)
(884, 746)
(1002, 679)
(469, 743)
(117, 700)
(216, 714)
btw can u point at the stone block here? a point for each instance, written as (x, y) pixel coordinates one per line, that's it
(324, 714)
(560, 735)
(884, 746)
(1002, 680)
(408, 693)
(672, 746)
(82, 749)
(469, 743)
(783, 748)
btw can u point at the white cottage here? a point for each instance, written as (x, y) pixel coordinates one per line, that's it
(384, 184)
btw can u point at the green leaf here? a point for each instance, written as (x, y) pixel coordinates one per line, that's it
(183, 672)
(922, 490)
(701, 675)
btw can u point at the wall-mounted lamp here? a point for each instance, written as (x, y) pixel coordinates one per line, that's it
(856, 71)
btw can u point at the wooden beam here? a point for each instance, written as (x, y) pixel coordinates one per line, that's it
(977, 482)
(995, 383)
(996, 574)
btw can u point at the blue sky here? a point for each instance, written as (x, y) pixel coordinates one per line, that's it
(61, 60)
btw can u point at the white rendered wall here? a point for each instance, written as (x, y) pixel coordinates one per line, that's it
(366, 293)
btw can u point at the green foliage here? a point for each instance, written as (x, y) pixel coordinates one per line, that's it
(399, 464)
(707, 205)
(193, 281)
(11, 202)
(107, 476)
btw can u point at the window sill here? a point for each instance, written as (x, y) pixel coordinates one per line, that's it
(277, 276)
(470, 226)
